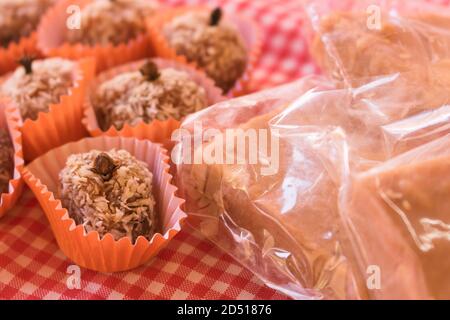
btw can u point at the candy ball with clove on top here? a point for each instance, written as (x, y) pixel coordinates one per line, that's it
(35, 85)
(145, 95)
(112, 21)
(109, 192)
(211, 42)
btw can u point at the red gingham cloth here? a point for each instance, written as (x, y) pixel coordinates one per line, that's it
(32, 266)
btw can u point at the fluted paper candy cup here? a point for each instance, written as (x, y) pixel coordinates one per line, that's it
(10, 54)
(156, 131)
(88, 249)
(248, 30)
(9, 118)
(51, 40)
(63, 122)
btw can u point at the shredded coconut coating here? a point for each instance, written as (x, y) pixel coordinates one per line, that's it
(219, 50)
(6, 160)
(33, 93)
(122, 205)
(19, 18)
(130, 98)
(106, 21)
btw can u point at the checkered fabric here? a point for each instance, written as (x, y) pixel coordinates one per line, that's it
(32, 266)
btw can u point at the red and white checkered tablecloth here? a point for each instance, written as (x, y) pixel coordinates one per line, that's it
(32, 266)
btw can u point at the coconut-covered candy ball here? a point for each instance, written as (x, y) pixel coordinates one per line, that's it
(145, 95)
(35, 85)
(212, 43)
(19, 18)
(6, 160)
(109, 192)
(112, 21)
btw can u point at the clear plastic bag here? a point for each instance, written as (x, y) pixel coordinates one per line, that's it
(287, 227)
(398, 216)
(356, 40)
(284, 227)
(295, 209)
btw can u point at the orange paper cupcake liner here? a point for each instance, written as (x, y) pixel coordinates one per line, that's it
(10, 54)
(248, 30)
(156, 131)
(63, 122)
(10, 118)
(88, 249)
(51, 41)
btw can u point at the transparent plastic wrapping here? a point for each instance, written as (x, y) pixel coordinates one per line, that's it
(355, 40)
(398, 216)
(335, 188)
(286, 215)
(400, 47)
